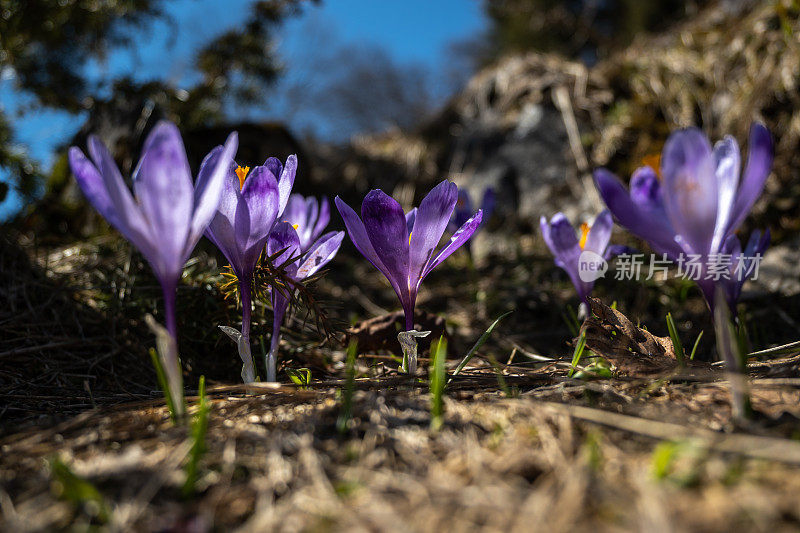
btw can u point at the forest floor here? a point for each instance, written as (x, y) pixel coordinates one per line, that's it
(559, 453)
(85, 439)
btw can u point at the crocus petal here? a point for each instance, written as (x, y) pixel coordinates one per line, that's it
(758, 243)
(600, 233)
(617, 198)
(295, 210)
(221, 230)
(411, 217)
(733, 286)
(286, 181)
(646, 190)
(275, 166)
(163, 186)
(727, 161)
(132, 223)
(690, 188)
(256, 214)
(320, 253)
(641, 211)
(214, 172)
(430, 223)
(759, 164)
(559, 235)
(322, 219)
(230, 194)
(283, 238)
(456, 241)
(385, 224)
(358, 234)
(91, 183)
(306, 230)
(128, 215)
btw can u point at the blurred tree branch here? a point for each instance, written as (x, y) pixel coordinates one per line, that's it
(46, 46)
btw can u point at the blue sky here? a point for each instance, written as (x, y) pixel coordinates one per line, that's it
(410, 30)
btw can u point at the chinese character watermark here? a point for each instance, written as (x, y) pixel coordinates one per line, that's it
(694, 267)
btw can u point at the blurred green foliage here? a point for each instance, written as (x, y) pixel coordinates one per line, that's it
(46, 45)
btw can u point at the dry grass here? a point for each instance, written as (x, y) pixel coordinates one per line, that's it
(276, 462)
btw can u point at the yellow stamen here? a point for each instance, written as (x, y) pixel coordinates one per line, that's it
(409, 237)
(241, 172)
(295, 226)
(653, 161)
(584, 234)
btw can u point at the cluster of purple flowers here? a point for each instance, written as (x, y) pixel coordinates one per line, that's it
(241, 211)
(691, 206)
(247, 213)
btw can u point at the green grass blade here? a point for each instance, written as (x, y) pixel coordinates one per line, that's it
(696, 344)
(347, 393)
(438, 380)
(78, 491)
(571, 318)
(501, 379)
(162, 383)
(676, 340)
(481, 341)
(199, 429)
(300, 376)
(576, 355)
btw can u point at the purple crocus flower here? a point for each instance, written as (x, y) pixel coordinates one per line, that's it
(403, 246)
(697, 202)
(167, 214)
(584, 259)
(251, 203)
(285, 238)
(309, 216)
(742, 263)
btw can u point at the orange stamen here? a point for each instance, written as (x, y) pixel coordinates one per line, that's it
(653, 161)
(584, 234)
(241, 172)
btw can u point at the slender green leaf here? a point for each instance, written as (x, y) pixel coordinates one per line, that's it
(162, 383)
(481, 341)
(199, 429)
(599, 368)
(78, 491)
(571, 318)
(438, 380)
(300, 376)
(676, 340)
(696, 344)
(501, 379)
(347, 394)
(576, 355)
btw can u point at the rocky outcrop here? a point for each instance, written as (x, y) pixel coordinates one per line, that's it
(534, 126)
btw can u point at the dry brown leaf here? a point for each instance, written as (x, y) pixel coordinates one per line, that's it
(632, 350)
